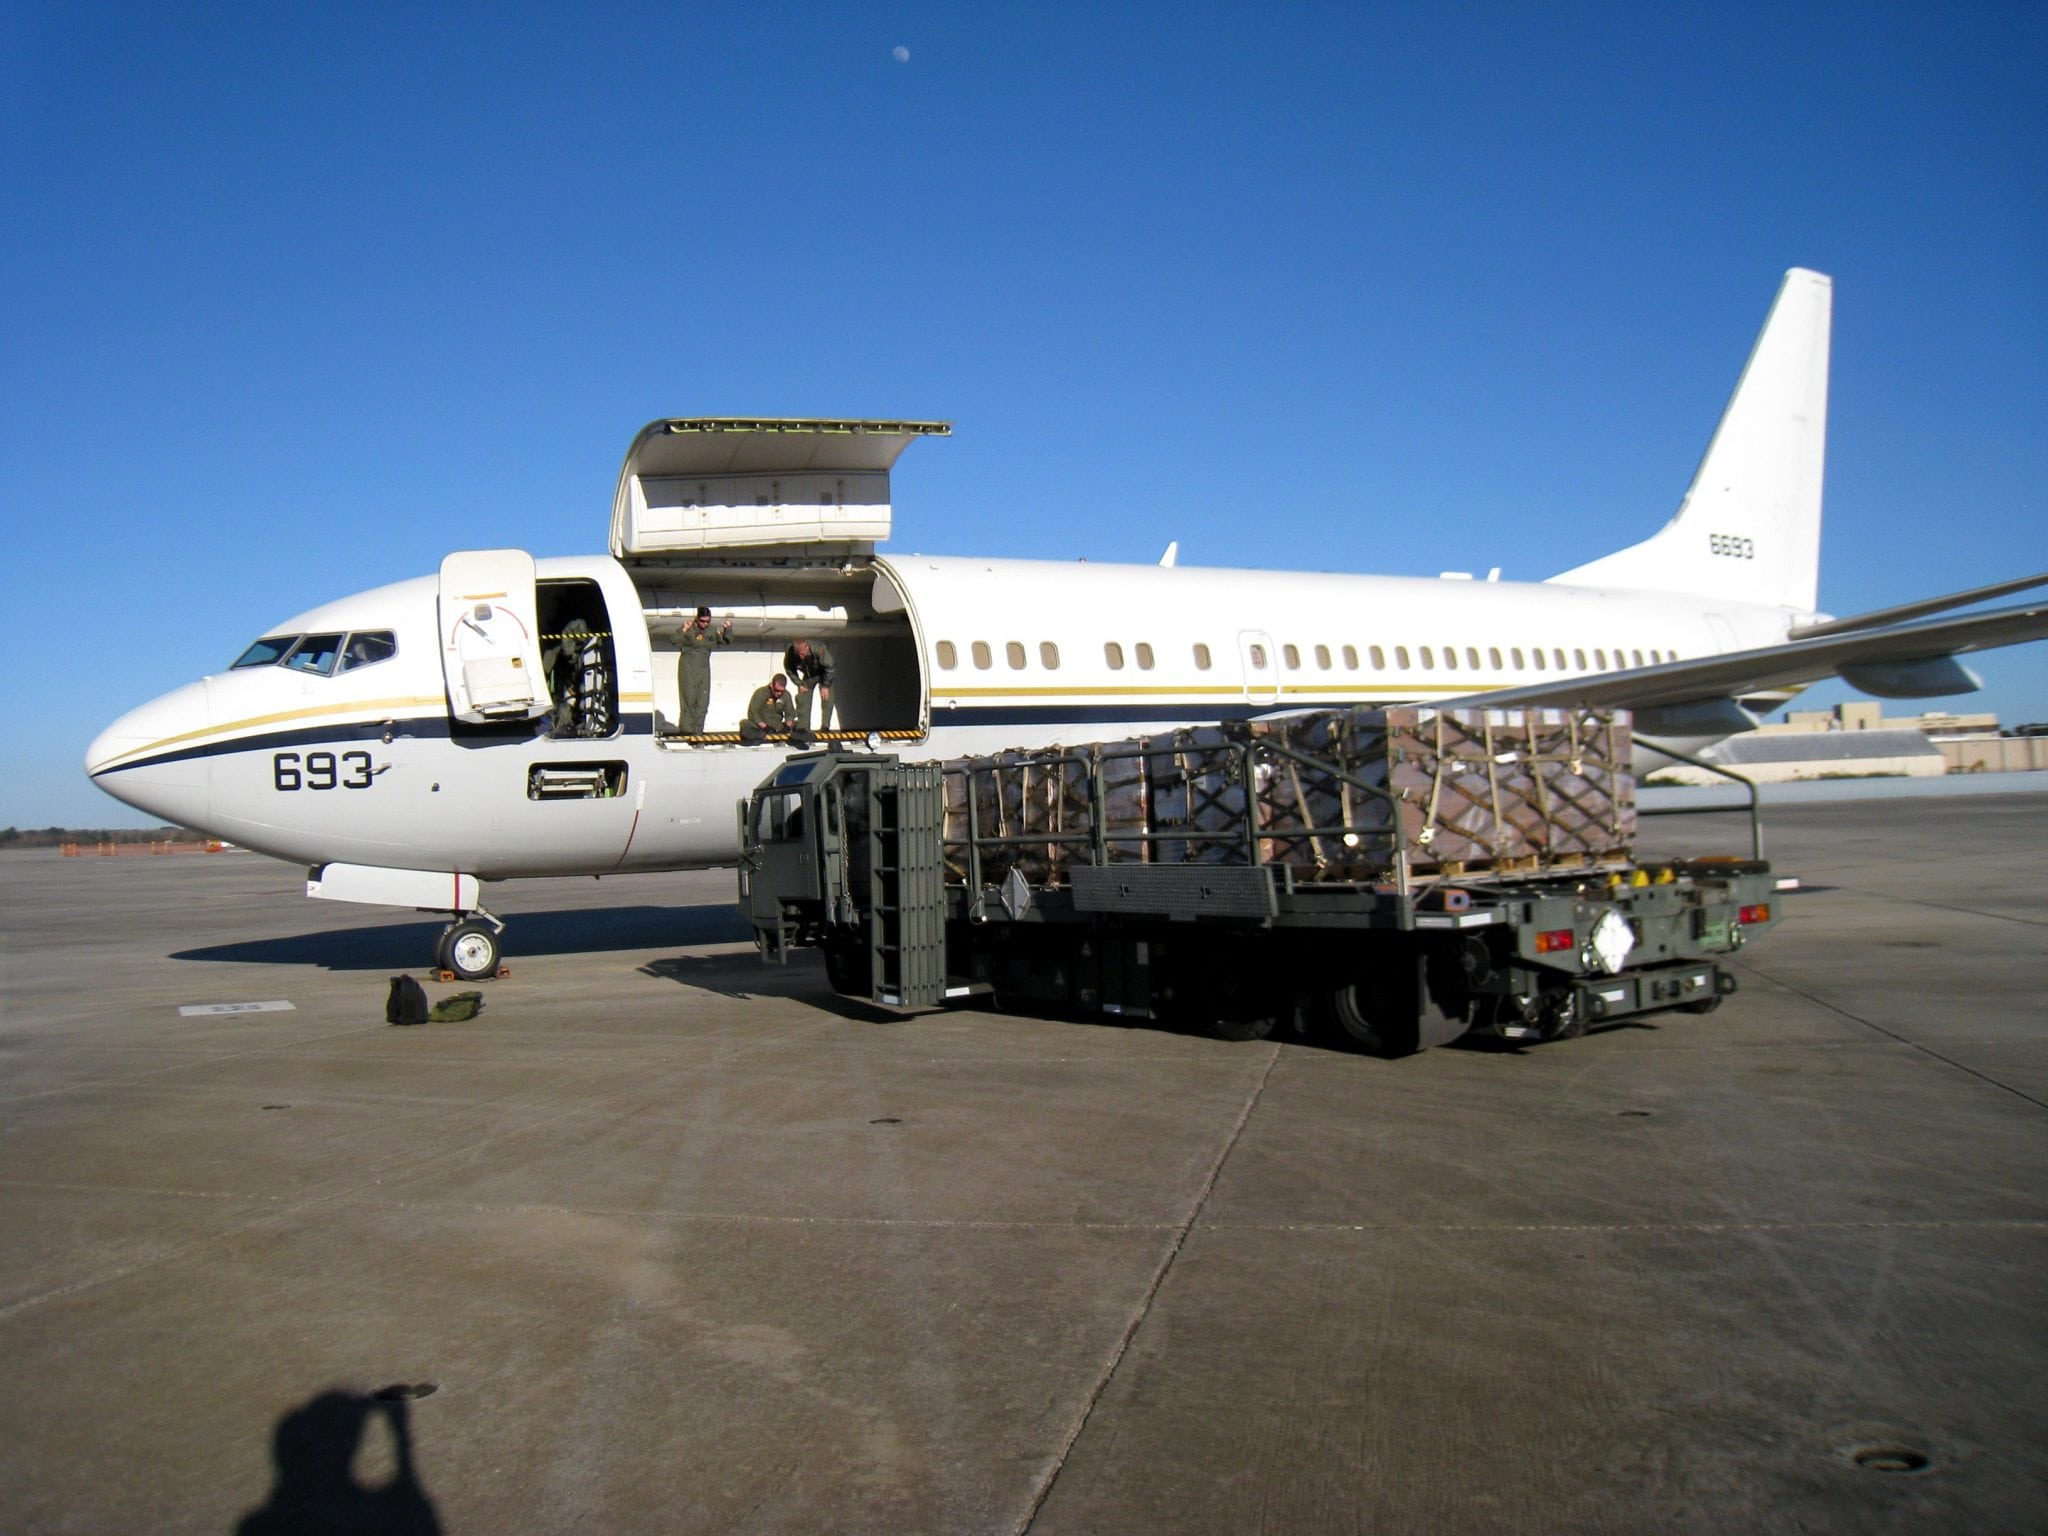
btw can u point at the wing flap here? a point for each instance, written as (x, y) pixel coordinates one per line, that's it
(1919, 610)
(1794, 664)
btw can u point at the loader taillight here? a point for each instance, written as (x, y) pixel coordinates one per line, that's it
(1554, 939)
(1760, 913)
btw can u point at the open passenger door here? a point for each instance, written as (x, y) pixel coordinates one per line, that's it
(490, 637)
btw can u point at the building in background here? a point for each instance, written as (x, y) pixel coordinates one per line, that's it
(1856, 740)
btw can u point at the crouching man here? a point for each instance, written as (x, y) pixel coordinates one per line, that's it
(770, 710)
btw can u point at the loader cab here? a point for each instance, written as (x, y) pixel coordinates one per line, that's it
(792, 842)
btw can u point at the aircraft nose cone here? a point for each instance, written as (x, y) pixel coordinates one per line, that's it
(153, 758)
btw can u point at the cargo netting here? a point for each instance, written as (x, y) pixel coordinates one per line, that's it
(1367, 795)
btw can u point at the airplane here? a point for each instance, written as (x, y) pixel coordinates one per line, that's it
(511, 717)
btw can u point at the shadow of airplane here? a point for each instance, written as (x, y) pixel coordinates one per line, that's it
(403, 946)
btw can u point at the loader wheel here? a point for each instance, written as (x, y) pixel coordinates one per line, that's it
(845, 971)
(1259, 1026)
(1405, 1003)
(1361, 1012)
(1563, 1018)
(1215, 993)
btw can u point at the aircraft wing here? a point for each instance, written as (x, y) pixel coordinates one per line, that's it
(1893, 661)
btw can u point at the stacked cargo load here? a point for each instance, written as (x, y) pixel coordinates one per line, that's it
(1360, 795)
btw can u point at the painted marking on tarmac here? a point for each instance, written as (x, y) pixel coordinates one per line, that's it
(192, 1010)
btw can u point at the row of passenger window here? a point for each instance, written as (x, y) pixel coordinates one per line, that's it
(1451, 658)
(321, 655)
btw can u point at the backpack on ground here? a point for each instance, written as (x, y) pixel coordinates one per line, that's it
(407, 1003)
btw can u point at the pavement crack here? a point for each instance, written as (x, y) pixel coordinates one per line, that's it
(1144, 1307)
(1940, 906)
(1891, 1034)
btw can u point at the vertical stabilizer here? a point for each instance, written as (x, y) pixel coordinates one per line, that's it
(1749, 528)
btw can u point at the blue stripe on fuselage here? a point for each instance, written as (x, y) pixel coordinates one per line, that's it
(344, 733)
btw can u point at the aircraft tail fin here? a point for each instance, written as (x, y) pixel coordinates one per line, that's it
(1748, 529)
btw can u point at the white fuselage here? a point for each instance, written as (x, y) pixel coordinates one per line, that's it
(364, 766)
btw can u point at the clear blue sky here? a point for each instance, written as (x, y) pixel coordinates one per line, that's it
(296, 299)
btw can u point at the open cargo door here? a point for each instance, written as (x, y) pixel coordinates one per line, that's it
(490, 636)
(712, 483)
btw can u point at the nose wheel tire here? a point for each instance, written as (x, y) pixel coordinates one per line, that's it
(470, 949)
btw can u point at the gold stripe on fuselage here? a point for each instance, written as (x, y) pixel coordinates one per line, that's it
(317, 712)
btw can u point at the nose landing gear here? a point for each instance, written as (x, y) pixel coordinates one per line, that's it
(470, 947)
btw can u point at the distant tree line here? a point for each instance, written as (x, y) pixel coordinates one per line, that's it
(55, 837)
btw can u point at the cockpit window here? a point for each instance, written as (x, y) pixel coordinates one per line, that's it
(315, 653)
(265, 651)
(368, 646)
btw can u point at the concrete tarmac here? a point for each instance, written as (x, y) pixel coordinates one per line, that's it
(666, 1240)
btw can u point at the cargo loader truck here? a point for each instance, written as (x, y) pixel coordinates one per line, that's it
(1402, 877)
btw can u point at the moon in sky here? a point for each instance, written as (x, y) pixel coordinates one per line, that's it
(900, 54)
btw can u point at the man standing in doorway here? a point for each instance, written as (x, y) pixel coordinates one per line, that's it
(693, 667)
(809, 665)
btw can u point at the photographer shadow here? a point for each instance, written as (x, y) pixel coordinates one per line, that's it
(315, 1489)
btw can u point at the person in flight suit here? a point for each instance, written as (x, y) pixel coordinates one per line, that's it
(693, 667)
(809, 665)
(770, 709)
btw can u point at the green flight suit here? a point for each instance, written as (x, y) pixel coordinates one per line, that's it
(693, 672)
(809, 674)
(770, 710)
